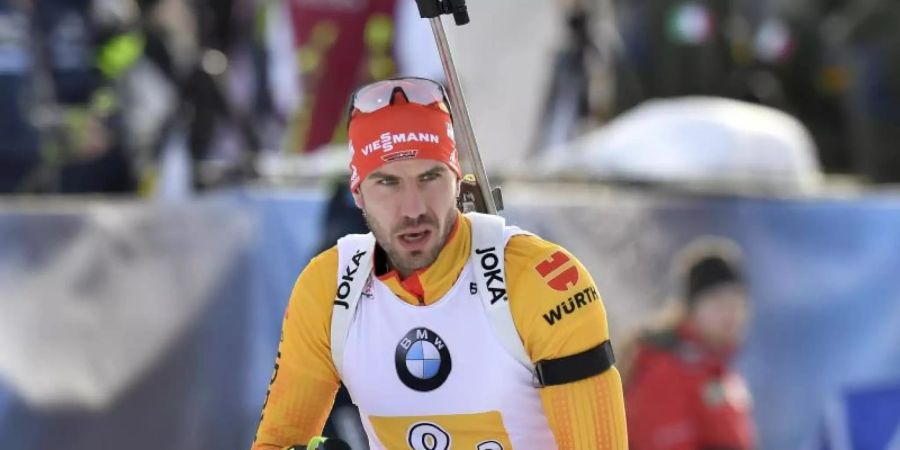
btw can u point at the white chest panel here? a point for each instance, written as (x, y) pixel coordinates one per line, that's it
(388, 336)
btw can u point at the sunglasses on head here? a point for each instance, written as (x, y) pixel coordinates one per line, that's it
(380, 94)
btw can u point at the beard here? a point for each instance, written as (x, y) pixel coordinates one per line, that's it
(405, 261)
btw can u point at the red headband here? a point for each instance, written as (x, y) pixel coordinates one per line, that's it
(397, 133)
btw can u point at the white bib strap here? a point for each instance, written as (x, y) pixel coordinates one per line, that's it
(355, 256)
(489, 237)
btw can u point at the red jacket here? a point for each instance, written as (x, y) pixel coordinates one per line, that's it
(683, 396)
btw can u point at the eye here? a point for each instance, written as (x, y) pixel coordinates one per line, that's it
(430, 176)
(386, 182)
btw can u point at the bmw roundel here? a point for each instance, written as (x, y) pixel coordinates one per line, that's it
(422, 360)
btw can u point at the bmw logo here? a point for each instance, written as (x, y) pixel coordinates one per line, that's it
(422, 360)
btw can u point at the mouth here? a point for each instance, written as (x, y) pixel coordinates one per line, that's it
(414, 239)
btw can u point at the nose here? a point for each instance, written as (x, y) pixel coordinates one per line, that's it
(412, 202)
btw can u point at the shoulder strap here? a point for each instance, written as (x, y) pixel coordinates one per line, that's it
(489, 237)
(355, 255)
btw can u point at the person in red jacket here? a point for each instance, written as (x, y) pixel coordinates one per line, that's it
(680, 391)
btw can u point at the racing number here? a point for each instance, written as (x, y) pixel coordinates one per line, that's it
(429, 436)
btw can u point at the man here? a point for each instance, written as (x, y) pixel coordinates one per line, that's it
(436, 321)
(681, 392)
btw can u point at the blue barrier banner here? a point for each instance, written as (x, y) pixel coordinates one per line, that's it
(155, 325)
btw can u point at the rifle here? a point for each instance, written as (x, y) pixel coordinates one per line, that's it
(476, 193)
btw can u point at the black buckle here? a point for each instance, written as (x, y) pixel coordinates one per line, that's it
(429, 9)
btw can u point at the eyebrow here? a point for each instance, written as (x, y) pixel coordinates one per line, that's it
(438, 169)
(382, 176)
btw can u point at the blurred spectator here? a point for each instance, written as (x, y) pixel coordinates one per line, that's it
(101, 88)
(680, 47)
(18, 149)
(216, 56)
(873, 46)
(581, 91)
(834, 65)
(784, 58)
(799, 70)
(59, 67)
(680, 391)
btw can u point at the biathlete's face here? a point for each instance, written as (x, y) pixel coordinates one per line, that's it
(410, 206)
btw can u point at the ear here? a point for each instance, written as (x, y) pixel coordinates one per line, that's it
(358, 198)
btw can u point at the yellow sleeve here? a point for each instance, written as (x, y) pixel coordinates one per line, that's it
(558, 312)
(305, 380)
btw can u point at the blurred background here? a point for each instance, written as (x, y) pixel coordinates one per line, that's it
(169, 166)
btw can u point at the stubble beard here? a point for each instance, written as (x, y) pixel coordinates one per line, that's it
(407, 263)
